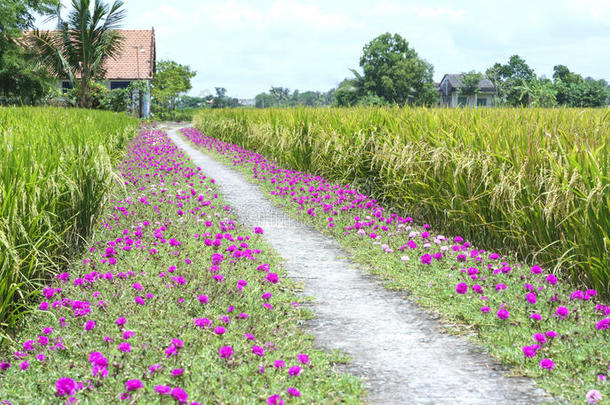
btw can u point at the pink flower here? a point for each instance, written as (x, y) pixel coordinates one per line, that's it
(536, 269)
(177, 372)
(124, 347)
(133, 385)
(603, 324)
(179, 395)
(225, 352)
(562, 312)
(219, 330)
(279, 364)
(551, 279)
(275, 400)
(89, 325)
(272, 278)
(461, 288)
(536, 317)
(547, 364)
(529, 351)
(540, 338)
(485, 309)
(593, 396)
(303, 358)
(293, 392)
(531, 298)
(121, 321)
(426, 259)
(163, 389)
(503, 314)
(294, 370)
(259, 351)
(65, 386)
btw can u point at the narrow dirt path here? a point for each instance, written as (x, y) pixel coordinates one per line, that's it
(396, 347)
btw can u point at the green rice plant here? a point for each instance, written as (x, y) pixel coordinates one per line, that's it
(530, 181)
(55, 169)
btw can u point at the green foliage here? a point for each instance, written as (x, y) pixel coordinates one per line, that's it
(507, 79)
(470, 83)
(55, 170)
(535, 182)
(394, 72)
(22, 81)
(281, 97)
(81, 46)
(171, 80)
(222, 100)
(538, 93)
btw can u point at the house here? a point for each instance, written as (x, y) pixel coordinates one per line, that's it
(137, 61)
(449, 92)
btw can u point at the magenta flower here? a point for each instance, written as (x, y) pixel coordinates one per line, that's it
(89, 325)
(536, 269)
(219, 330)
(461, 288)
(547, 364)
(272, 278)
(177, 372)
(275, 400)
(551, 334)
(163, 389)
(536, 317)
(503, 314)
(530, 351)
(303, 358)
(203, 299)
(179, 395)
(294, 370)
(293, 392)
(485, 309)
(259, 351)
(540, 338)
(603, 324)
(124, 347)
(133, 385)
(225, 352)
(531, 298)
(562, 312)
(279, 364)
(65, 386)
(121, 321)
(426, 259)
(551, 279)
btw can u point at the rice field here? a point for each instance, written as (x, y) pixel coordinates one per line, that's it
(55, 169)
(534, 182)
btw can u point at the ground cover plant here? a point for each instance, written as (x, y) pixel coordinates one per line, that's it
(531, 181)
(527, 316)
(55, 168)
(174, 302)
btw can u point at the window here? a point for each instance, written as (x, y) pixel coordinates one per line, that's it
(65, 86)
(481, 102)
(119, 85)
(462, 101)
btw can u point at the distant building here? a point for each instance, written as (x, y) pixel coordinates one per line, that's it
(137, 61)
(449, 92)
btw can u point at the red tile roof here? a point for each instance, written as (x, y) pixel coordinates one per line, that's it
(137, 59)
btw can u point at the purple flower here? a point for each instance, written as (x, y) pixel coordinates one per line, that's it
(529, 351)
(531, 298)
(540, 338)
(551, 279)
(303, 358)
(124, 347)
(461, 288)
(503, 314)
(547, 364)
(536, 269)
(225, 352)
(121, 321)
(536, 317)
(562, 312)
(177, 372)
(485, 309)
(426, 259)
(89, 325)
(179, 395)
(163, 389)
(603, 324)
(294, 370)
(65, 386)
(219, 330)
(275, 400)
(279, 364)
(272, 278)
(259, 351)
(551, 334)
(133, 385)
(293, 392)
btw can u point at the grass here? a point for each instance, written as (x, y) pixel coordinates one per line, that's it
(151, 243)
(55, 169)
(400, 254)
(531, 181)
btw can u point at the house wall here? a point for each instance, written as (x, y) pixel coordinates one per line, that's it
(471, 101)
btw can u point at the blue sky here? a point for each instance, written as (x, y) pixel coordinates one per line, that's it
(247, 46)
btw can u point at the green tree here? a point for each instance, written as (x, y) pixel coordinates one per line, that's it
(83, 43)
(394, 72)
(22, 80)
(470, 83)
(509, 78)
(538, 93)
(171, 80)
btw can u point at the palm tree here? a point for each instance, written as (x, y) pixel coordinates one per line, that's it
(82, 43)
